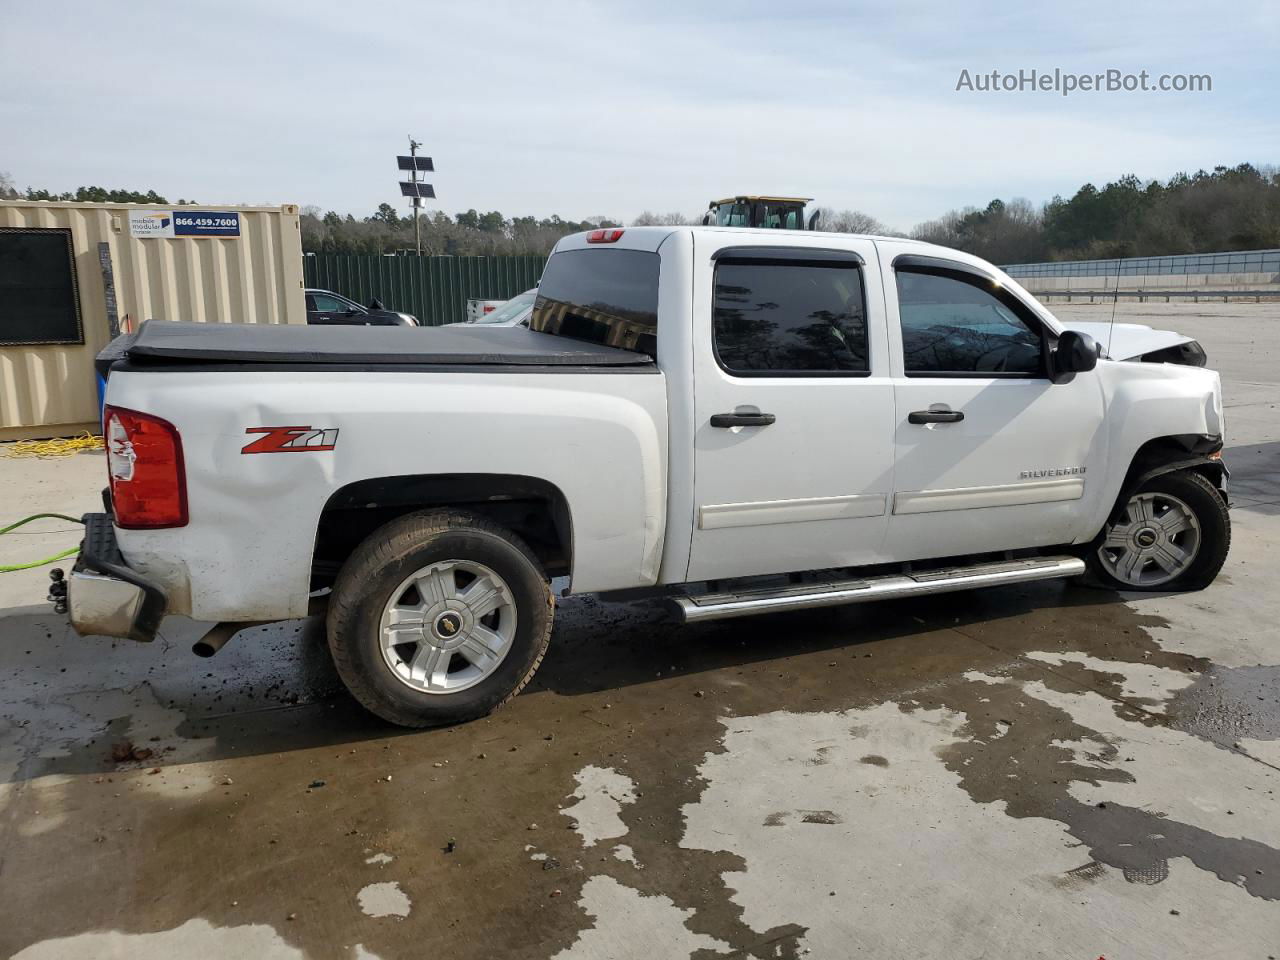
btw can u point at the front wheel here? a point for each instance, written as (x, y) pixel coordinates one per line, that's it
(439, 617)
(1173, 533)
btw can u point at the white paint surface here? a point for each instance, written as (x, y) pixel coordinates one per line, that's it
(384, 899)
(602, 792)
(380, 859)
(630, 926)
(195, 938)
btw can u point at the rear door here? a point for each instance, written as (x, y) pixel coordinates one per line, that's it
(793, 406)
(991, 455)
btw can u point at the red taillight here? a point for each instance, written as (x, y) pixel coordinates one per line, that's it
(604, 236)
(489, 308)
(144, 464)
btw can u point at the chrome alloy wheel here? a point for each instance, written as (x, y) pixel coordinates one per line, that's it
(447, 626)
(1155, 540)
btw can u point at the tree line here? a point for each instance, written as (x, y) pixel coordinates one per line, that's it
(1228, 208)
(8, 191)
(463, 234)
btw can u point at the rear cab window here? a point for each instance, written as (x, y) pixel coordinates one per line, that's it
(608, 297)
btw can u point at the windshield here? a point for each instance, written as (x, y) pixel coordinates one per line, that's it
(733, 215)
(511, 309)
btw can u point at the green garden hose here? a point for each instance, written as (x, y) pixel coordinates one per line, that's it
(10, 568)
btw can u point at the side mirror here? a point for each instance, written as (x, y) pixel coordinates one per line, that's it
(1075, 353)
(706, 218)
(375, 304)
(814, 219)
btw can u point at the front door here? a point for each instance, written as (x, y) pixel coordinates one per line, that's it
(990, 454)
(793, 408)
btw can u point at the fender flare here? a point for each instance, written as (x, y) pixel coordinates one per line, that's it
(1204, 463)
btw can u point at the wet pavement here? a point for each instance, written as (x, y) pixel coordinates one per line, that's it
(1039, 770)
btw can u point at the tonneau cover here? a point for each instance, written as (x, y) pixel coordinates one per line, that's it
(160, 341)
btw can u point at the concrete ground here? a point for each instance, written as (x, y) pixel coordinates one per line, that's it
(1035, 771)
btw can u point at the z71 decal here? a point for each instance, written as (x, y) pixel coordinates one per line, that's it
(291, 440)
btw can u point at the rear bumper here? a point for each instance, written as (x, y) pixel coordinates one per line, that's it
(105, 597)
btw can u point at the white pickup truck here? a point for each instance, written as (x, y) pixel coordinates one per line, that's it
(743, 421)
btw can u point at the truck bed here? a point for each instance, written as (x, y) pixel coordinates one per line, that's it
(168, 344)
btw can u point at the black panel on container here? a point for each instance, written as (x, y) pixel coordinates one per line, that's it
(39, 299)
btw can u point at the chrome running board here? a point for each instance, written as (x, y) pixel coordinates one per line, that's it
(745, 603)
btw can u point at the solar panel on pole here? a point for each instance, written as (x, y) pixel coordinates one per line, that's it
(410, 189)
(423, 164)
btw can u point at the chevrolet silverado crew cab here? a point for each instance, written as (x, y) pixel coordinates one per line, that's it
(740, 421)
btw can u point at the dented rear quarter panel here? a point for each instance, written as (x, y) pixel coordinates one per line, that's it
(246, 554)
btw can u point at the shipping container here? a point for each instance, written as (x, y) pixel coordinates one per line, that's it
(73, 275)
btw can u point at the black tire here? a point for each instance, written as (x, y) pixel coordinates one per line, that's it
(1214, 522)
(382, 562)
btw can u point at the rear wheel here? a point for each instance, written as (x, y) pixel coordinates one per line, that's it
(439, 617)
(1172, 534)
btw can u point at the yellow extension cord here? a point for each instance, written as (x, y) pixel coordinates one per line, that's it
(58, 447)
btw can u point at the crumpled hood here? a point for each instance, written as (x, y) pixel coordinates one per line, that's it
(1127, 340)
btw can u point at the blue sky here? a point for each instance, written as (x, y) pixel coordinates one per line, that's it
(585, 109)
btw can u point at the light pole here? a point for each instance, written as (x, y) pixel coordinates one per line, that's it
(413, 188)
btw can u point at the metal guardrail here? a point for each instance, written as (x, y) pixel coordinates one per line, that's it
(1234, 261)
(1143, 295)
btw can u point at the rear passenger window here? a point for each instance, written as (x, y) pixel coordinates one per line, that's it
(790, 318)
(601, 296)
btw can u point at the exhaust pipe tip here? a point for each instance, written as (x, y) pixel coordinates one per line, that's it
(216, 638)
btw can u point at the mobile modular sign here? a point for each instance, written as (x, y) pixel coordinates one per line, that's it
(184, 223)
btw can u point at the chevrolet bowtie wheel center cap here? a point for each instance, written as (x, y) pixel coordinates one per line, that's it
(448, 626)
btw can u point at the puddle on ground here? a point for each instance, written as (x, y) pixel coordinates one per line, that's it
(1229, 704)
(965, 766)
(1062, 775)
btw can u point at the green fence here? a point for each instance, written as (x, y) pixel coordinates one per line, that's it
(433, 289)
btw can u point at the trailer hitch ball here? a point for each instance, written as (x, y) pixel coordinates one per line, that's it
(58, 590)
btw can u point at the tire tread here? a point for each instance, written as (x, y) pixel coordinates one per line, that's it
(383, 547)
(1199, 576)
